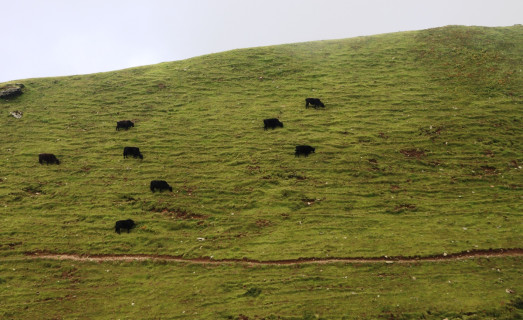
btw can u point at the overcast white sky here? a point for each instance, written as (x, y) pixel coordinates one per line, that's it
(41, 38)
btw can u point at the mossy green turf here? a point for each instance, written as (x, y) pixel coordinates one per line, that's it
(449, 97)
(473, 289)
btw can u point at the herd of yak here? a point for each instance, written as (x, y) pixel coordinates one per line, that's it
(160, 185)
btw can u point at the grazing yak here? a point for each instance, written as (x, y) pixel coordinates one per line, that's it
(303, 150)
(160, 185)
(272, 123)
(48, 158)
(315, 102)
(133, 152)
(124, 124)
(124, 224)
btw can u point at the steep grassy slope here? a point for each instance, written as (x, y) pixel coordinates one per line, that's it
(419, 151)
(452, 94)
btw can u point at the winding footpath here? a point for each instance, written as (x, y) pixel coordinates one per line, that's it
(470, 254)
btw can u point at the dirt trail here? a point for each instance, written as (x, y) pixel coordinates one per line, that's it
(471, 254)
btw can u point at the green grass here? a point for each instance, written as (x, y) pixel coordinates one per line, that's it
(453, 95)
(474, 289)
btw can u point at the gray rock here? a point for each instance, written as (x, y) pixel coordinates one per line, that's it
(11, 90)
(17, 114)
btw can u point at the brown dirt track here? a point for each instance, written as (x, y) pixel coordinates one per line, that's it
(470, 254)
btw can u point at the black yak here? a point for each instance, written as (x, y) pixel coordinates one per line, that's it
(272, 123)
(124, 124)
(124, 224)
(303, 150)
(48, 158)
(133, 152)
(315, 102)
(160, 185)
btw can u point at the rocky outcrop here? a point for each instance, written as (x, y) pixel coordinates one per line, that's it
(11, 91)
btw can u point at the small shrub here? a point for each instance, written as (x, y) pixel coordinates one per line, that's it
(252, 292)
(517, 303)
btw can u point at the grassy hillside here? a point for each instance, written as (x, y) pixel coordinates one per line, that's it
(145, 290)
(418, 151)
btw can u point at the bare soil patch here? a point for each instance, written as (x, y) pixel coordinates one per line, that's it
(263, 223)
(395, 188)
(179, 213)
(413, 153)
(488, 169)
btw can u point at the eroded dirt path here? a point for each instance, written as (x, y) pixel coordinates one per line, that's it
(471, 254)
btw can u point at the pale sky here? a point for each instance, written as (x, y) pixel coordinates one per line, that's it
(43, 38)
